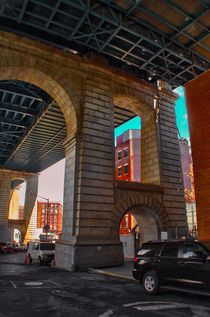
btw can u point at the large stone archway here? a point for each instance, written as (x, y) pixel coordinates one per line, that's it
(85, 90)
(151, 199)
(53, 84)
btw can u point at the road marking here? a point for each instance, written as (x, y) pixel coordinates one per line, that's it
(52, 282)
(33, 283)
(150, 305)
(134, 304)
(13, 284)
(160, 305)
(107, 313)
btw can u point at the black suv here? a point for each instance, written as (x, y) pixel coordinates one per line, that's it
(181, 265)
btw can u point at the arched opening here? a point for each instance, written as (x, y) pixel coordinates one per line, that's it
(17, 199)
(34, 127)
(139, 225)
(17, 236)
(136, 160)
(127, 138)
(140, 137)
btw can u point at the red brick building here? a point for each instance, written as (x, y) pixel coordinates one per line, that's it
(51, 214)
(197, 93)
(127, 167)
(127, 156)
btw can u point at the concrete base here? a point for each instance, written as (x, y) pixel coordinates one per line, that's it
(81, 256)
(5, 233)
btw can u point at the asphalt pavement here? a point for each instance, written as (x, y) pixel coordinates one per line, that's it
(29, 291)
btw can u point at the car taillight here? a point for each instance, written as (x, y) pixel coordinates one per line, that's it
(135, 259)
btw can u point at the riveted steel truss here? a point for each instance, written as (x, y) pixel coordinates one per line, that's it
(165, 41)
(32, 127)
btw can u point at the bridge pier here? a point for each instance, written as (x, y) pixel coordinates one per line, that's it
(9, 221)
(88, 237)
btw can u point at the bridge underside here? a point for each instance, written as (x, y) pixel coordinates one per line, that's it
(168, 41)
(66, 103)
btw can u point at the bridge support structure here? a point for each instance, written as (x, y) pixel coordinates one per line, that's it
(87, 91)
(9, 222)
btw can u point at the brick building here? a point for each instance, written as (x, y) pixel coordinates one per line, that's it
(127, 156)
(188, 180)
(127, 168)
(51, 214)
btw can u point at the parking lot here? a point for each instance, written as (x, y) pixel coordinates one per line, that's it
(30, 290)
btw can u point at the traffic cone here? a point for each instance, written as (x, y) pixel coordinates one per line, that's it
(26, 260)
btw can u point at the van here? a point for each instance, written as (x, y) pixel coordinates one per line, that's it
(41, 252)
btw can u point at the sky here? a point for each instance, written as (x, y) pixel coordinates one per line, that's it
(51, 180)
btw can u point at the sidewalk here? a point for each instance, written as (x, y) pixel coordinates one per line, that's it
(124, 271)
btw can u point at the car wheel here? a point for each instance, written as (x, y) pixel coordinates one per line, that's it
(29, 259)
(151, 283)
(39, 261)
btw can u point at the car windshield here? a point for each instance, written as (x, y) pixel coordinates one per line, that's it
(47, 246)
(149, 249)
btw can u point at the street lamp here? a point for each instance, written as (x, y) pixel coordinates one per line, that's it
(46, 226)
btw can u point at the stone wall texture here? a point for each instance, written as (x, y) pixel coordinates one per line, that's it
(87, 91)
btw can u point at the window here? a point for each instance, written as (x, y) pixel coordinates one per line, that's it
(119, 155)
(47, 246)
(193, 250)
(126, 169)
(119, 171)
(126, 152)
(149, 249)
(170, 250)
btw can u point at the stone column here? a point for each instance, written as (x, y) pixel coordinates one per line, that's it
(170, 168)
(30, 211)
(65, 247)
(90, 239)
(5, 188)
(150, 165)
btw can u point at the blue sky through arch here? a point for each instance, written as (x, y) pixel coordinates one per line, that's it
(181, 118)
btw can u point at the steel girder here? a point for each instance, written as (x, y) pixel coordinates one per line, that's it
(113, 28)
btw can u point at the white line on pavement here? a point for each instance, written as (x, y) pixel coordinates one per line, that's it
(54, 283)
(13, 284)
(107, 313)
(161, 307)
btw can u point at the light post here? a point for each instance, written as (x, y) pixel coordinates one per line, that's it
(46, 226)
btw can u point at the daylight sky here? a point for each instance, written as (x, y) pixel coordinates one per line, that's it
(52, 179)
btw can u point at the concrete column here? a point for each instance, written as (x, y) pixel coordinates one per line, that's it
(65, 248)
(150, 166)
(90, 239)
(171, 170)
(5, 188)
(30, 215)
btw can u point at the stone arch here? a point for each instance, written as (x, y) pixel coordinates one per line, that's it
(56, 84)
(141, 103)
(134, 100)
(133, 200)
(15, 182)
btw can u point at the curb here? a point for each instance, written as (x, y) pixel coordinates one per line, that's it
(92, 270)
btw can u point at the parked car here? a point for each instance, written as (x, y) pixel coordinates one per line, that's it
(41, 252)
(180, 265)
